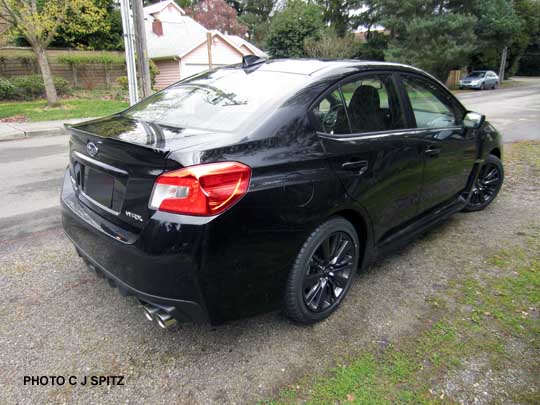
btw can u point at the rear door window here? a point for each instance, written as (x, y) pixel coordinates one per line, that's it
(366, 104)
(372, 104)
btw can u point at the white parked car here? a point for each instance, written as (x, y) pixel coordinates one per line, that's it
(480, 80)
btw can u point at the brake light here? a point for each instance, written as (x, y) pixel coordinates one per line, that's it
(203, 190)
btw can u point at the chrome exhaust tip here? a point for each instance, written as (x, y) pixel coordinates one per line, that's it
(164, 320)
(150, 312)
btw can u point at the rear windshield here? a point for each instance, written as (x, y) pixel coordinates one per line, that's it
(221, 100)
(477, 74)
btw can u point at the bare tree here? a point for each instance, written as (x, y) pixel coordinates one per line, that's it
(38, 21)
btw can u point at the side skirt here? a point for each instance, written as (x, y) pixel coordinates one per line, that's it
(426, 222)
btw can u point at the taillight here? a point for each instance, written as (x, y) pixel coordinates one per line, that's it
(204, 190)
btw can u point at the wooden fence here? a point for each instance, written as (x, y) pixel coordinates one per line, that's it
(454, 77)
(21, 61)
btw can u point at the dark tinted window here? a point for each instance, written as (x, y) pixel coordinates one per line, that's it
(221, 100)
(372, 104)
(432, 107)
(477, 74)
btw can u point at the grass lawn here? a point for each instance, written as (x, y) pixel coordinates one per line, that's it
(489, 322)
(69, 108)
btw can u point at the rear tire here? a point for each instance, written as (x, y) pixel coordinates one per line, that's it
(323, 272)
(487, 186)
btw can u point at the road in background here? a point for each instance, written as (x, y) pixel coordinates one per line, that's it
(31, 173)
(515, 111)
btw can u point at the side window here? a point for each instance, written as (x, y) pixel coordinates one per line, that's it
(372, 104)
(330, 115)
(431, 107)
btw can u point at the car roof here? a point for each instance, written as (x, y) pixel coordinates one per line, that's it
(327, 67)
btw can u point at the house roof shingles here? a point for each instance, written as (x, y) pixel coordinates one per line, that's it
(181, 34)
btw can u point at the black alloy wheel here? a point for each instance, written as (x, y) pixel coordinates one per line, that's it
(329, 272)
(323, 272)
(487, 184)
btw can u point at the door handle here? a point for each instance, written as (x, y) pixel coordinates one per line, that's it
(360, 166)
(431, 151)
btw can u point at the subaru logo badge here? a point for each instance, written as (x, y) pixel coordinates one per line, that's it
(92, 149)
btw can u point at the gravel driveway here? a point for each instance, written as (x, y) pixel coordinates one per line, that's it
(60, 319)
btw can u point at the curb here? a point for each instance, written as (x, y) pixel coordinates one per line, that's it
(14, 131)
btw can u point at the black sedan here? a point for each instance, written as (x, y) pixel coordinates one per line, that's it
(268, 185)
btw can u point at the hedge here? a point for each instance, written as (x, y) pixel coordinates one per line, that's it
(529, 64)
(29, 87)
(99, 59)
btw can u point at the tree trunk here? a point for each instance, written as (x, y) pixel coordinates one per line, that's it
(75, 75)
(108, 82)
(43, 62)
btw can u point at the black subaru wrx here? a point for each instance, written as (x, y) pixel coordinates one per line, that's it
(267, 185)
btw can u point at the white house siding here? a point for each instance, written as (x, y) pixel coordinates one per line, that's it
(169, 72)
(169, 13)
(246, 50)
(197, 60)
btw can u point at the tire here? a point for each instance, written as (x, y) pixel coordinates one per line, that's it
(482, 86)
(485, 189)
(315, 288)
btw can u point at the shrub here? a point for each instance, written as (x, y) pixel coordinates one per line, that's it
(331, 46)
(107, 59)
(29, 87)
(154, 71)
(123, 82)
(7, 90)
(529, 65)
(62, 86)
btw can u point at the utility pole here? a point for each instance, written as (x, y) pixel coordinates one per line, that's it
(127, 27)
(209, 48)
(142, 52)
(502, 68)
(504, 55)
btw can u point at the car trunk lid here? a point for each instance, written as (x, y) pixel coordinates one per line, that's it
(114, 163)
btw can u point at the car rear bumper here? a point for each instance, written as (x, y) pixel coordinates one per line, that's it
(158, 265)
(470, 86)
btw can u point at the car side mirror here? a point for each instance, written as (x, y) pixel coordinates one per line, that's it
(473, 120)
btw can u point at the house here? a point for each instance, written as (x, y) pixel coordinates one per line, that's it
(178, 44)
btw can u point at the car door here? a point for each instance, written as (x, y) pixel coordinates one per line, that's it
(377, 160)
(489, 80)
(493, 78)
(449, 150)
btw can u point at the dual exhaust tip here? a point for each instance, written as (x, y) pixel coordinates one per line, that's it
(164, 319)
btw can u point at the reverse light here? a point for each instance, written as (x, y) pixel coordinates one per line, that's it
(202, 190)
